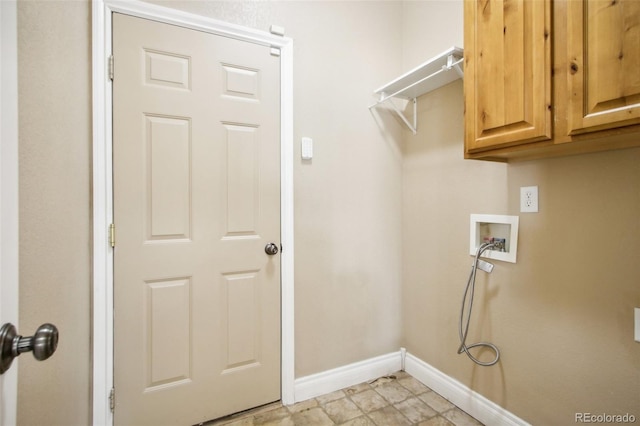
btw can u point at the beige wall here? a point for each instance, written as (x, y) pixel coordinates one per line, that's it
(54, 183)
(429, 27)
(563, 315)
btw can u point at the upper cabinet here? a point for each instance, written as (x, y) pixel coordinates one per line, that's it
(507, 72)
(545, 78)
(604, 73)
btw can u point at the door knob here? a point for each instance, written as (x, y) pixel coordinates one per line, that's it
(271, 249)
(43, 344)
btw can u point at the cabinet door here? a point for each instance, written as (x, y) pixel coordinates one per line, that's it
(604, 64)
(507, 79)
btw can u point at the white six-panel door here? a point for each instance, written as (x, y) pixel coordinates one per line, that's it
(196, 200)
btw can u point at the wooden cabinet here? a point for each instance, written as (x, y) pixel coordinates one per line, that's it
(604, 73)
(507, 72)
(545, 78)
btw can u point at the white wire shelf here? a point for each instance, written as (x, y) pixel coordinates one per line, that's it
(434, 73)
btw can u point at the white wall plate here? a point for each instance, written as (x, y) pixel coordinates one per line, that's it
(486, 226)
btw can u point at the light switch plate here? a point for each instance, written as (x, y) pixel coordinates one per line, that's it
(307, 148)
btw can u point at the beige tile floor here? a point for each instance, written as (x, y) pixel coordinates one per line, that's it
(394, 400)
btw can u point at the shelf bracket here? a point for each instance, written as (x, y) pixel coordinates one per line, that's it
(412, 126)
(454, 63)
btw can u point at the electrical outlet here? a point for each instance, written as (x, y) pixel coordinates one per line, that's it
(529, 199)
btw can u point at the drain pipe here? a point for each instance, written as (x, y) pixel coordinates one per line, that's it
(403, 357)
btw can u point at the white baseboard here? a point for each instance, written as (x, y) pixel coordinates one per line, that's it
(342, 377)
(459, 394)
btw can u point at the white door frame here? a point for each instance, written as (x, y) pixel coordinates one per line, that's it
(103, 191)
(9, 197)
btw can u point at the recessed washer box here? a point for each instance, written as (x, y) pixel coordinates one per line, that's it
(485, 227)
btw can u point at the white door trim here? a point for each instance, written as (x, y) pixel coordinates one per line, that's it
(103, 192)
(9, 196)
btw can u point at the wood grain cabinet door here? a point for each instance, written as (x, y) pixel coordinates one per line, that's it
(604, 64)
(508, 68)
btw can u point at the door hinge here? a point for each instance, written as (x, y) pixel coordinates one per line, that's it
(112, 235)
(112, 399)
(111, 67)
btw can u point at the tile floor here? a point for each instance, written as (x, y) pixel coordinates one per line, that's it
(394, 400)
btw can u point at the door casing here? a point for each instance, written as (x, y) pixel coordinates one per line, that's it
(103, 191)
(9, 197)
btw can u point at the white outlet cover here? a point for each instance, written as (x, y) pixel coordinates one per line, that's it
(529, 199)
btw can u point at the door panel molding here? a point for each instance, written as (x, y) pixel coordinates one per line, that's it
(103, 191)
